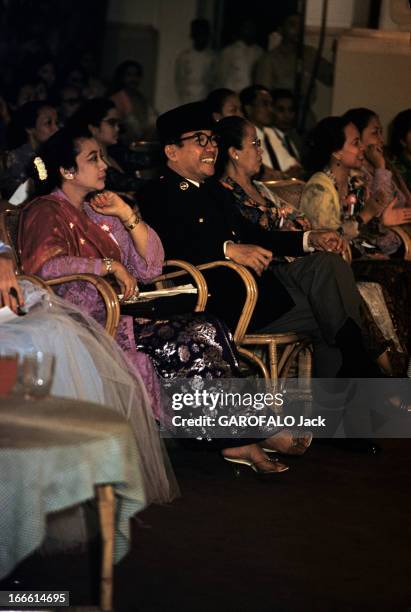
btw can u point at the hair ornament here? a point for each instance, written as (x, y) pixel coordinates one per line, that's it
(41, 168)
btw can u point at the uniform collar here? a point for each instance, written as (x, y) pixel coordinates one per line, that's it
(178, 178)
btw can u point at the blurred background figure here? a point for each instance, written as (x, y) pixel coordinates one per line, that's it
(277, 68)
(195, 68)
(101, 117)
(137, 115)
(285, 120)
(236, 62)
(224, 103)
(257, 105)
(30, 126)
(70, 100)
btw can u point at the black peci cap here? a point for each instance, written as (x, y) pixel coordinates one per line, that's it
(187, 118)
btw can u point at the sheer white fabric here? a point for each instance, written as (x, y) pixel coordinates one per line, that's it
(90, 366)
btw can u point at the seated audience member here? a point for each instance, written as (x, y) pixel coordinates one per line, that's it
(62, 233)
(46, 71)
(31, 125)
(284, 120)
(198, 222)
(194, 71)
(76, 76)
(136, 113)
(94, 86)
(378, 177)
(30, 90)
(400, 146)
(257, 104)
(223, 103)
(336, 200)
(239, 160)
(236, 62)
(89, 367)
(101, 118)
(70, 101)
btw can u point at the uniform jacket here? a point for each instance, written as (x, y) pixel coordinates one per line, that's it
(193, 224)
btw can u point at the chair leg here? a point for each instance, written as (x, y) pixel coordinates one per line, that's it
(106, 511)
(292, 356)
(273, 359)
(250, 355)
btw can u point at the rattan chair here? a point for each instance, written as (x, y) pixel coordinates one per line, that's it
(279, 351)
(288, 190)
(404, 232)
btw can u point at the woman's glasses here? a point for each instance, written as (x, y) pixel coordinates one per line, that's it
(256, 143)
(202, 139)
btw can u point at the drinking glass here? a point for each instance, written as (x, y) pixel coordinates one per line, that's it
(36, 372)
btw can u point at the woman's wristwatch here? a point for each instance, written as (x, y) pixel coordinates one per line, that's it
(131, 223)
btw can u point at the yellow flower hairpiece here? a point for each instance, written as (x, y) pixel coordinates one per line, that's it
(41, 168)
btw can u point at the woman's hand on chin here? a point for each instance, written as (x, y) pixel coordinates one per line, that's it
(110, 203)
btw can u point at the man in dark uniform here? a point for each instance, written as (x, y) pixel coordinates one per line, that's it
(197, 222)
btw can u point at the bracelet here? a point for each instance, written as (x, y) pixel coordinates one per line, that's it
(108, 262)
(128, 220)
(130, 226)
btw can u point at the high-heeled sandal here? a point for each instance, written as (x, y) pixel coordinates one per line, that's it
(298, 445)
(254, 466)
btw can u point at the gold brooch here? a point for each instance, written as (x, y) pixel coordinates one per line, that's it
(184, 185)
(41, 168)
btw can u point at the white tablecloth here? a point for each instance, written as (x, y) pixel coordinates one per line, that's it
(52, 454)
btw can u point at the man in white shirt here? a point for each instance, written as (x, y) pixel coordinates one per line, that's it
(257, 105)
(10, 292)
(236, 62)
(195, 67)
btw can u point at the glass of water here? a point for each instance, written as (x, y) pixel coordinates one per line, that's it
(36, 371)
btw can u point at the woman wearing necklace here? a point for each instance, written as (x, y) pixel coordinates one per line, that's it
(238, 162)
(336, 198)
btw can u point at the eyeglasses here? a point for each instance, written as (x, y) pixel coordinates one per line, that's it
(113, 122)
(202, 139)
(256, 143)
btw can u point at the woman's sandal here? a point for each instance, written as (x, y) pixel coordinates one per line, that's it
(254, 466)
(298, 445)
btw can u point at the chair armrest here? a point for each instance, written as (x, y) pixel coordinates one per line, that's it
(245, 275)
(251, 294)
(186, 268)
(404, 232)
(106, 291)
(36, 280)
